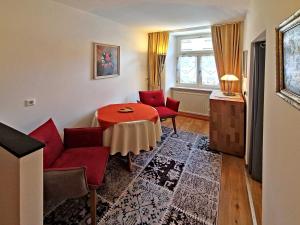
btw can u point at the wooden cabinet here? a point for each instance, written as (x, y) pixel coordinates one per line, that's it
(227, 123)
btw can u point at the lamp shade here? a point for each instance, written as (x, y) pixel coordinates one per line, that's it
(229, 77)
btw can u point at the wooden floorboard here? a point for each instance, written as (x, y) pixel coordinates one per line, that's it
(234, 206)
(189, 124)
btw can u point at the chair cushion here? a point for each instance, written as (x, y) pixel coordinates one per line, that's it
(48, 134)
(94, 159)
(153, 98)
(165, 112)
(172, 104)
(83, 137)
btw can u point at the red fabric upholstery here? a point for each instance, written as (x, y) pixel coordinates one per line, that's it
(48, 134)
(173, 104)
(82, 149)
(165, 112)
(94, 159)
(72, 167)
(83, 137)
(153, 98)
(156, 99)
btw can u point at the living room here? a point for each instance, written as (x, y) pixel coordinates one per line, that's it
(90, 65)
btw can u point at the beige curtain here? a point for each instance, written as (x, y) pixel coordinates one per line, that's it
(157, 46)
(227, 48)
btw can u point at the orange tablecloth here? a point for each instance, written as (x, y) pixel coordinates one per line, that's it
(129, 132)
(109, 115)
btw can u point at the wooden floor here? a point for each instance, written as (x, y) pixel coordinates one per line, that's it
(190, 124)
(234, 206)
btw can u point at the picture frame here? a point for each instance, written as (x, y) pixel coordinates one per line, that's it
(106, 61)
(245, 64)
(288, 60)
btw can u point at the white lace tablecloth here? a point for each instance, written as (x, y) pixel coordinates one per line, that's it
(131, 136)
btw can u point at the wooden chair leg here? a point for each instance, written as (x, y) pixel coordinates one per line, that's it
(129, 162)
(93, 202)
(174, 125)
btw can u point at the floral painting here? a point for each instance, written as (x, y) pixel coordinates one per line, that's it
(106, 61)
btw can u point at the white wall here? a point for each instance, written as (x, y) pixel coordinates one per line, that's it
(46, 53)
(281, 149)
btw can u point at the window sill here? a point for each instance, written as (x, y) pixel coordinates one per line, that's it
(192, 89)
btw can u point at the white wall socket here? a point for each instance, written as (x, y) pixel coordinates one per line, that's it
(30, 102)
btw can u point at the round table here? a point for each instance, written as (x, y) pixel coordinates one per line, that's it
(131, 131)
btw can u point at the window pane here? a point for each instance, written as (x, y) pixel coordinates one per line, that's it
(187, 69)
(196, 44)
(209, 71)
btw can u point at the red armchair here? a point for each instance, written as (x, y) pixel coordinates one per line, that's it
(157, 100)
(72, 168)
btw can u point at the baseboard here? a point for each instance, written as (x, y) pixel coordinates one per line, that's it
(250, 198)
(195, 116)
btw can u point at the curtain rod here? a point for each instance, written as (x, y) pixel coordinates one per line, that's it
(221, 24)
(184, 29)
(190, 28)
(200, 27)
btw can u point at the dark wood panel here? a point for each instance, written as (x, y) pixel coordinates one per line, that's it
(227, 125)
(16, 142)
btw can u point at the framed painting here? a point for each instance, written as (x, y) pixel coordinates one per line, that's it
(244, 64)
(288, 60)
(106, 61)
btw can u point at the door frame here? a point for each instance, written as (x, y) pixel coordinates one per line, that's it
(259, 38)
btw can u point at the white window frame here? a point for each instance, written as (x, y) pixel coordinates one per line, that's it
(197, 54)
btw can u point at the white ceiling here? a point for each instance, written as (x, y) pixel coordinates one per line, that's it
(155, 15)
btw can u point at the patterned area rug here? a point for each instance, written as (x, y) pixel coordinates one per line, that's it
(178, 183)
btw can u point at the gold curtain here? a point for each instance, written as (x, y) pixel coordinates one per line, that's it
(157, 46)
(227, 48)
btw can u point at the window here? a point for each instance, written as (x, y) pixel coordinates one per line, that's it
(196, 65)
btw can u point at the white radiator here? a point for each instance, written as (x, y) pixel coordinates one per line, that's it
(192, 102)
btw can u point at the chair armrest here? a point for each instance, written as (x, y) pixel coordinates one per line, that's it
(64, 183)
(172, 104)
(83, 137)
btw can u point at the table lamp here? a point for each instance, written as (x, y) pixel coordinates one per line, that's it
(229, 78)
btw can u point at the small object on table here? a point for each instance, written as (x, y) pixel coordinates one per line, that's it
(125, 110)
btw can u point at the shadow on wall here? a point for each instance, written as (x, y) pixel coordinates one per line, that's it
(84, 121)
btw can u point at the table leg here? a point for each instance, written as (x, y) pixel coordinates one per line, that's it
(129, 162)
(93, 202)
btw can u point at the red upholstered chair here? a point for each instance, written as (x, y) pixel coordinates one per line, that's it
(157, 100)
(75, 167)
